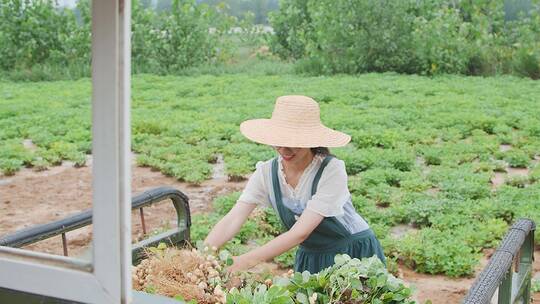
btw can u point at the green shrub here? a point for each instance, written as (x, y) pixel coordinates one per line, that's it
(201, 224)
(37, 37)
(517, 158)
(535, 285)
(359, 36)
(420, 212)
(432, 157)
(435, 251)
(440, 41)
(223, 204)
(518, 181)
(534, 175)
(292, 26)
(424, 37)
(169, 41)
(40, 41)
(10, 166)
(355, 160)
(461, 182)
(376, 138)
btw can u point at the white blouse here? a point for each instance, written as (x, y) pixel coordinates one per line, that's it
(332, 198)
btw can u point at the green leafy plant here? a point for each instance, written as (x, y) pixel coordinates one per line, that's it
(348, 280)
(517, 159)
(535, 285)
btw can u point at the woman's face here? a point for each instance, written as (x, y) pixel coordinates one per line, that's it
(294, 155)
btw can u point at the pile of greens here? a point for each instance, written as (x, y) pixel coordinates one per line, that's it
(347, 281)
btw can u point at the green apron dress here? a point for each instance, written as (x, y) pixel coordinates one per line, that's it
(317, 252)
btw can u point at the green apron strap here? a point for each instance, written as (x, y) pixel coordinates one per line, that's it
(331, 224)
(325, 162)
(285, 214)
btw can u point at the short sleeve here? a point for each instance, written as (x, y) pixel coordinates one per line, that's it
(255, 191)
(332, 191)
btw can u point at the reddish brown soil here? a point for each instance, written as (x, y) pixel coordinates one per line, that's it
(31, 198)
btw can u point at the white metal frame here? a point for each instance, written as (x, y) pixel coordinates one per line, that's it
(108, 278)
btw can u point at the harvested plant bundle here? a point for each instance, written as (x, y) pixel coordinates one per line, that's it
(199, 276)
(348, 281)
(182, 273)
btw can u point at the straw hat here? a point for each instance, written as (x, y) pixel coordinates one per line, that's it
(295, 123)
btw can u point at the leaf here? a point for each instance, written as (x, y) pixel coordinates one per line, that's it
(381, 280)
(302, 298)
(281, 281)
(356, 284)
(306, 276)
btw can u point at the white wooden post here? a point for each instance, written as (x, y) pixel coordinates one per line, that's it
(111, 146)
(107, 279)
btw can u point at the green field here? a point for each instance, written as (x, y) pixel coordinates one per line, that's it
(423, 151)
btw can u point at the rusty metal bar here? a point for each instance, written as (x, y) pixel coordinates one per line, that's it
(142, 220)
(64, 244)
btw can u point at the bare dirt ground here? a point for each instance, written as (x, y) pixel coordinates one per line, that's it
(30, 198)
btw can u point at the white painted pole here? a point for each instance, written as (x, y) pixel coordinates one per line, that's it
(111, 146)
(125, 149)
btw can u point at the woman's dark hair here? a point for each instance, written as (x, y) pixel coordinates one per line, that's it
(320, 150)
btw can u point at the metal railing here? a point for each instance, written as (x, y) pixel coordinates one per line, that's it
(174, 236)
(516, 249)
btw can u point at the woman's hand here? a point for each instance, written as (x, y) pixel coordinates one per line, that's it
(240, 263)
(307, 222)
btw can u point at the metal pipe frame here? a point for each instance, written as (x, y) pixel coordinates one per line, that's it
(512, 284)
(40, 232)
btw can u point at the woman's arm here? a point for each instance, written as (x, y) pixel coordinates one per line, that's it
(229, 225)
(308, 221)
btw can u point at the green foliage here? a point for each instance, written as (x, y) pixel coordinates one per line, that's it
(517, 181)
(240, 158)
(223, 204)
(13, 156)
(424, 37)
(286, 259)
(534, 175)
(36, 37)
(436, 251)
(10, 166)
(260, 294)
(168, 41)
(240, 8)
(461, 182)
(292, 25)
(420, 212)
(535, 285)
(201, 224)
(440, 42)
(183, 125)
(348, 280)
(39, 41)
(517, 158)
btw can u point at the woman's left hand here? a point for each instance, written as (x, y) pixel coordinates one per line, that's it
(240, 263)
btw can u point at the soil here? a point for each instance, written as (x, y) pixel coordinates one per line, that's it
(30, 198)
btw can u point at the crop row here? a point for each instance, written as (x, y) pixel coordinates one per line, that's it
(426, 153)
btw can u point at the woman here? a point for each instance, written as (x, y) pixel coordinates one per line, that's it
(306, 186)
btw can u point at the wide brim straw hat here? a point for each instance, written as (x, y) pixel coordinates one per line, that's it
(295, 123)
